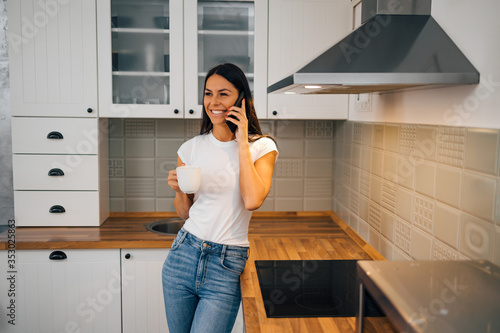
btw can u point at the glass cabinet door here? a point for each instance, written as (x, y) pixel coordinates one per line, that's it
(224, 31)
(146, 59)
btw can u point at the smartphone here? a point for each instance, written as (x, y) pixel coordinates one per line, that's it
(233, 126)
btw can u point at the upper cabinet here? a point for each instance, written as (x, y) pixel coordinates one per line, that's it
(53, 58)
(224, 31)
(300, 30)
(140, 58)
(154, 55)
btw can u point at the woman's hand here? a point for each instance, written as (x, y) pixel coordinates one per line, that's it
(172, 180)
(182, 201)
(242, 122)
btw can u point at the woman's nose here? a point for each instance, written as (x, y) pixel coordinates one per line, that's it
(215, 100)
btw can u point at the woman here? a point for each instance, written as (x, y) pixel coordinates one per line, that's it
(201, 275)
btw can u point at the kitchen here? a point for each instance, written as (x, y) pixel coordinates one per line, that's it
(442, 205)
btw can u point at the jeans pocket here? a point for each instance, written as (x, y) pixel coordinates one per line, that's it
(178, 240)
(234, 264)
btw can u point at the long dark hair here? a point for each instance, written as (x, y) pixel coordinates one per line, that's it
(235, 75)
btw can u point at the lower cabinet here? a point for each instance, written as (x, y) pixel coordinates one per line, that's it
(143, 309)
(80, 291)
(49, 291)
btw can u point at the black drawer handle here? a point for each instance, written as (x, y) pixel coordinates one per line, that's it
(57, 255)
(57, 209)
(55, 135)
(56, 172)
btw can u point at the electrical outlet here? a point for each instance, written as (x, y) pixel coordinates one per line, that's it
(363, 103)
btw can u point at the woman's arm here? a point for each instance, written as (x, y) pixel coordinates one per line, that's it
(182, 201)
(255, 178)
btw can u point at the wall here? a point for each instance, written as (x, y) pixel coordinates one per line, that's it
(6, 194)
(420, 191)
(418, 175)
(142, 151)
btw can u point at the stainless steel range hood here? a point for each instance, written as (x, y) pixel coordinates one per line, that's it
(399, 46)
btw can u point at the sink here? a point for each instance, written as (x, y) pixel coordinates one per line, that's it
(169, 226)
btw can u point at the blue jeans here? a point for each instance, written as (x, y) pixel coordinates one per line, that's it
(201, 284)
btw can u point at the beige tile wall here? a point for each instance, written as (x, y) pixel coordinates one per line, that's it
(417, 191)
(142, 151)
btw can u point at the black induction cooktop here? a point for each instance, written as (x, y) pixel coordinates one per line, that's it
(311, 288)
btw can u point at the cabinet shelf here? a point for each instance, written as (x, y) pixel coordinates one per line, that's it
(141, 30)
(248, 75)
(226, 32)
(125, 73)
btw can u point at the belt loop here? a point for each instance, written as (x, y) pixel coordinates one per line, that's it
(223, 252)
(185, 233)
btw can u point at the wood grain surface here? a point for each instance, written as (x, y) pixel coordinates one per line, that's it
(318, 237)
(272, 235)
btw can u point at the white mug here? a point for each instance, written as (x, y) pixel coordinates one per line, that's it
(189, 178)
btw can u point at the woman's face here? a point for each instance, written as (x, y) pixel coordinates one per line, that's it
(220, 95)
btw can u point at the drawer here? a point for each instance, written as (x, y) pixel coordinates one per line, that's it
(55, 172)
(55, 135)
(56, 208)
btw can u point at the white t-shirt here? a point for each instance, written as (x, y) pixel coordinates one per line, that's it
(218, 212)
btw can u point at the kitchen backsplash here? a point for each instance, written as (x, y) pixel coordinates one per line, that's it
(417, 191)
(142, 151)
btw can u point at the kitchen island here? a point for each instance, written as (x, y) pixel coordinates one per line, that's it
(273, 236)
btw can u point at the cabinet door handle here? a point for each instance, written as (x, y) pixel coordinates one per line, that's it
(127, 256)
(89, 110)
(176, 111)
(57, 209)
(56, 172)
(55, 135)
(57, 255)
(275, 112)
(191, 111)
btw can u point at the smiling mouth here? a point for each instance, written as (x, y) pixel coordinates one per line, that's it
(218, 112)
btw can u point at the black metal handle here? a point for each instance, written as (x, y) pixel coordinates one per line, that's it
(176, 111)
(56, 172)
(55, 135)
(89, 110)
(191, 111)
(57, 209)
(275, 112)
(57, 255)
(127, 256)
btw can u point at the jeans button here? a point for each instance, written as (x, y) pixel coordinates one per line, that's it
(205, 245)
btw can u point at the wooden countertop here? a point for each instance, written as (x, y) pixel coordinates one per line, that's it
(319, 237)
(118, 231)
(273, 236)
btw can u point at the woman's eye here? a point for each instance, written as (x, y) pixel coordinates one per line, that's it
(208, 94)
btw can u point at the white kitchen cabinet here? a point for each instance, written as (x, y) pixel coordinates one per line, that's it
(225, 31)
(300, 30)
(60, 146)
(143, 309)
(154, 55)
(37, 135)
(53, 58)
(60, 171)
(78, 294)
(140, 48)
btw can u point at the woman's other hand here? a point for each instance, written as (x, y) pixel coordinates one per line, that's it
(242, 122)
